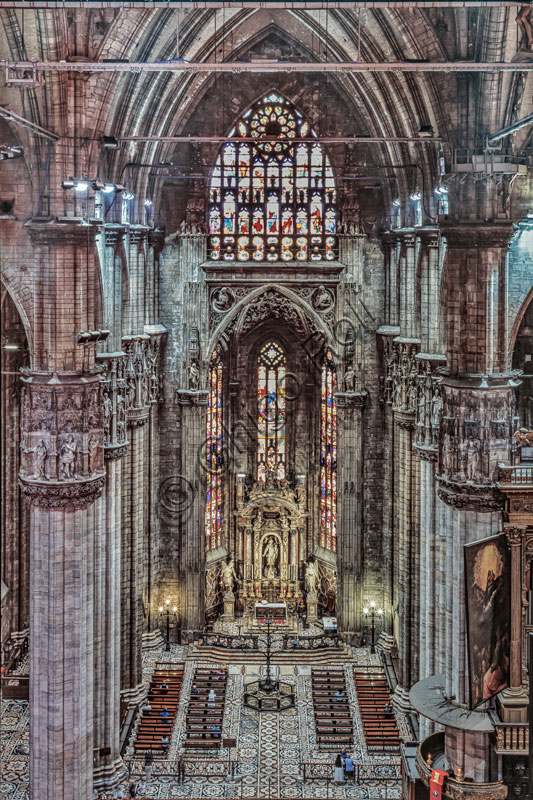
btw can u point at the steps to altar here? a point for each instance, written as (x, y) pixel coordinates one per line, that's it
(326, 656)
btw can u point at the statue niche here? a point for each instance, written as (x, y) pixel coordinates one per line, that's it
(270, 557)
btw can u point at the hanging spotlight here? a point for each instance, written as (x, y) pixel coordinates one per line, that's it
(107, 188)
(110, 142)
(396, 203)
(416, 196)
(68, 184)
(128, 196)
(147, 203)
(441, 190)
(10, 151)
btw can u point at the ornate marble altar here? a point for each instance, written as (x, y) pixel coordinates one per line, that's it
(271, 518)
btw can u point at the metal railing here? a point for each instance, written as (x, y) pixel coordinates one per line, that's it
(363, 773)
(293, 642)
(229, 641)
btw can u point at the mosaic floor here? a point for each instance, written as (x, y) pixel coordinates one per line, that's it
(270, 747)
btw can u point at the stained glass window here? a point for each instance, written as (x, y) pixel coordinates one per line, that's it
(328, 457)
(271, 412)
(213, 513)
(273, 195)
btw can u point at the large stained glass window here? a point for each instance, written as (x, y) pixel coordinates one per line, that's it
(272, 195)
(328, 457)
(215, 456)
(271, 412)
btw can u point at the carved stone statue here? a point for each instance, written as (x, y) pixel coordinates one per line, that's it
(222, 299)
(349, 379)
(41, 455)
(228, 575)
(194, 376)
(436, 410)
(108, 410)
(121, 418)
(322, 299)
(93, 453)
(311, 577)
(472, 461)
(67, 459)
(447, 455)
(270, 553)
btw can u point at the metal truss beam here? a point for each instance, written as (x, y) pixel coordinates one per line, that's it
(265, 66)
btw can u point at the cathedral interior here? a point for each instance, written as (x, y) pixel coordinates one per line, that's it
(267, 399)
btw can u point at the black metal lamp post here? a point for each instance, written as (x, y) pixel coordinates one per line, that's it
(166, 610)
(372, 610)
(268, 685)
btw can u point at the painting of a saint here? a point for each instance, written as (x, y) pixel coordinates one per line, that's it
(488, 590)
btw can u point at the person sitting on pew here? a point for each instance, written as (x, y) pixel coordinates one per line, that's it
(146, 709)
(215, 732)
(164, 688)
(194, 689)
(153, 683)
(212, 696)
(164, 714)
(338, 696)
(388, 710)
(164, 742)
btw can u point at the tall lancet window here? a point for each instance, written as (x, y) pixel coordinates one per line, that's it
(213, 513)
(271, 412)
(328, 457)
(272, 195)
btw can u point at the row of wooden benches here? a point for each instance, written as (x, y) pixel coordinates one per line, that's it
(333, 719)
(163, 695)
(373, 697)
(204, 714)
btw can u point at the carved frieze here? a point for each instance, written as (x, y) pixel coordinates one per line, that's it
(137, 372)
(321, 299)
(62, 439)
(114, 404)
(400, 387)
(476, 430)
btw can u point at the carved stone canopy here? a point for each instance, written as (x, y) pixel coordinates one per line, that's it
(470, 497)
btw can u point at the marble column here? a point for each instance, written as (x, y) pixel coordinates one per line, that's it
(475, 436)
(137, 269)
(513, 701)
(62, 476)
(108, 766)
(152, 635)
(350, 445)
(193, 405)
(476, 301)
(406, 553)
(133, 515)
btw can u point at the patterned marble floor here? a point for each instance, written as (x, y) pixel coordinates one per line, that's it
(270, 746)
